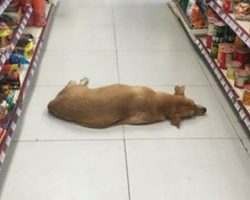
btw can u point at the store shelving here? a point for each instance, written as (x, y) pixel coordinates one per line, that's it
(177, 10)
(25, 79)
(16, 35)
(241, 28)
(234, 94)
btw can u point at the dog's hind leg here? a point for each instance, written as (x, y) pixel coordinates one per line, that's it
(84, 81)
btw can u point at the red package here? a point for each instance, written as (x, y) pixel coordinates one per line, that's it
(39, 13)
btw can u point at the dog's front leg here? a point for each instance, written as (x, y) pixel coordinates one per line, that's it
(175, 120)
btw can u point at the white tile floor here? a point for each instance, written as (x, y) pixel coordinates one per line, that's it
(134, 42)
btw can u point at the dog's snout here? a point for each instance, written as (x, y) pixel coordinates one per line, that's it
(204, 110)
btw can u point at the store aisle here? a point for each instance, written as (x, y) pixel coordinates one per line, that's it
(137, 42)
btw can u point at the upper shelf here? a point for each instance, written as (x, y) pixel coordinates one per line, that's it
(241, 28)
(3, 5)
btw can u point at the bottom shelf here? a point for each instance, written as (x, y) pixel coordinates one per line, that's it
(234, 94)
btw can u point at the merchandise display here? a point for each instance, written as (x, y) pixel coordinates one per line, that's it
(226, 48)
(20, 50)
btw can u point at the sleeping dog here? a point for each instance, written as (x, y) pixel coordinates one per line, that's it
(121, 104)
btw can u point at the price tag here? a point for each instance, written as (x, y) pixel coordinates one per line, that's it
(35, 64)
(248, 42)
(18, 112)
(244, 37)
(197, 42)
(242, 114)
(13, 126)
(12, 46)
(222, 82)
(211, 3)
(32, 72)
(200, 46)
(237, 106)
(17, 36)
(20, 31)
(218, 75)
(217, 9)
(203, 51)
(8, 140)
(226, 88)
(24, 21)
(3, 58)
(1, 9)
(239, 31)
(247, 122)
(231, 95)
(227, 19)
(28, 83)
(212, 65)
(22, 26)
(2, 156)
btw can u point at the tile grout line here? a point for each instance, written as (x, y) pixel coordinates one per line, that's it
(127, 172)
(119, 79)
(115, 40)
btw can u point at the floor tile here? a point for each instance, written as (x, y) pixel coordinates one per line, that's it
(140, 3)
(37, 124)
(85, 3)
(160, 68)
(188, 169)
(99, 66)
(150, 38)
(66, 170)
(212, 125)
(144, 16)
(71, 16)
(81, 38)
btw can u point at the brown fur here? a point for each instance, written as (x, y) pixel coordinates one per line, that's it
(121, 104)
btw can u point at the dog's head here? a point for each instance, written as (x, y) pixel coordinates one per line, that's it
(185, 107)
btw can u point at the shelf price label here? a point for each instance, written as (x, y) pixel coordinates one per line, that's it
(239, 31)
(2, 156)
(247, 122)
(242, 114)
(13, 126)
(18, 112)
(227, 20)
(248, 42)
(8, 140)
(237, 106)
(223, 82)
(231, 95)
(1, 9)
(226, 88)
(244, 37)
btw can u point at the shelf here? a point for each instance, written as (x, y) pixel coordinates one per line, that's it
(25, 78)
(241, 28)
(234, 94)
(16, 35)
(3, 5)
(177, 10)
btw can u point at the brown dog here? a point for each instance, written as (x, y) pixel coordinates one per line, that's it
(121, 104)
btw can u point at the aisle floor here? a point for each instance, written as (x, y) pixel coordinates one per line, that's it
(137, 42)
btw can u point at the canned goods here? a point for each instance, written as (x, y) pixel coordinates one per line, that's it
(219, 29)
(241, 78)
(246, 95)
(228, 6)
(229, 35)
(242, 55)
(232, 66)
(221, 46)
(227, 54)
(247, 67)
(210, 31)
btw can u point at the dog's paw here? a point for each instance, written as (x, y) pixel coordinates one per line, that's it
(84, 81)
(176, 120)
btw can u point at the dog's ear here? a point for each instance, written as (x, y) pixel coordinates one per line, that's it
(179, 90)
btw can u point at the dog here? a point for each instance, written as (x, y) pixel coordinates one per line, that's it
(121, 104)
